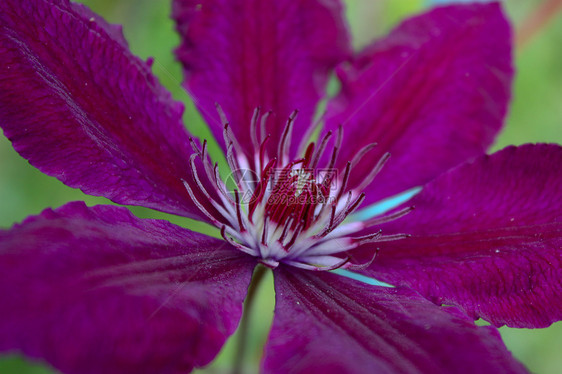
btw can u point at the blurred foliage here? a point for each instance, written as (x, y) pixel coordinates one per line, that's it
(536, 116)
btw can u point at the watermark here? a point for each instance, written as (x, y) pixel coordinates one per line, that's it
(284, 187)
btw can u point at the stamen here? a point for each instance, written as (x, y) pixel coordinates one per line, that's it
(235, 244)
(378, 167)
(253, 127)
(213, 219)
(336, 149)
(203, 190)
(366, 264)
(196, 176)
(355, 204)
(389, 217)
(225, 208)
(260, 190)
(222, 115)
(288, 224)
(349, 208)
(344, 181)
(206, 161)
(319, 268)
(264, 232)
(262, 150)
(194, 145)
(283, 149)
(362, 152)
(320, 150)
(230, 140)
(332, 218)
(238, 211)
(233, 164)
(218, 183)
(389, 238)
(359, 240)
(308, 155)
(298, 230)
(263, 121)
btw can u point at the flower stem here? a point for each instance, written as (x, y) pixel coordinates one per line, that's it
(243, 329)
(537, 20)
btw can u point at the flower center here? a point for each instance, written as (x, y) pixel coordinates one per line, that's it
(294, 213)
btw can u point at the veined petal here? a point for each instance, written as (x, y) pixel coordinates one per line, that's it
(97, 290)
(325, 323)
(487, 237)
(114, 31)
(272, 54)
(79, 106)
(433, 93)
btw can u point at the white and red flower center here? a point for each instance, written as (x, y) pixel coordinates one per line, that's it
(294, 213)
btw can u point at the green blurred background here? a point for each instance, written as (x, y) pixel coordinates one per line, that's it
(536, 116)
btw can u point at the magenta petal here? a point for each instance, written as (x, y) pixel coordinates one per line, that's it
(80, 107)
(114, 31)
(276, 54)
(487, 236)
(97, 290)
(433, 93)
(325, 323)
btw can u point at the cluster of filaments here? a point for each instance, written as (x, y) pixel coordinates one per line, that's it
(284, 211)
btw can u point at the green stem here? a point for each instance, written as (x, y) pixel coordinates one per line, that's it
(537, 21)
(245, 321)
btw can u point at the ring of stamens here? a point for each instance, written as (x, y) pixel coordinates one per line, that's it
(291, 212)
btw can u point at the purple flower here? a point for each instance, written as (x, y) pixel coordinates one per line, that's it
(97, 290)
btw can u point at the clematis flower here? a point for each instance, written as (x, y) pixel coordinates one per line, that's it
(97, 290)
